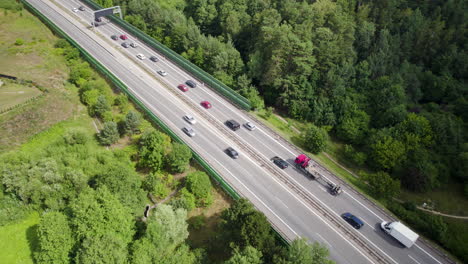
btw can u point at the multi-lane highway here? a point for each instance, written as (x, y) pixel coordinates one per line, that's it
(294, 204)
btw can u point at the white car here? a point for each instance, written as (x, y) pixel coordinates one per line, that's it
(250, 126)
(75, 9)
(162, 73)
(190, 119)
(141, 56)
(189, 131)
(133, 45)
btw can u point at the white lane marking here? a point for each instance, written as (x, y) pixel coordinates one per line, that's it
(368, 224)
(428, 254)
(381, 219)
(323, 189)
(414, 259)
(329, 245)
(281, 202)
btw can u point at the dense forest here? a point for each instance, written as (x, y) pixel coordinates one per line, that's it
(387, 78)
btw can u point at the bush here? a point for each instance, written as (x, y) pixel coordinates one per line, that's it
(197, 222)
(185, 200)
(355, 156)
(19, 42)
(315, 139)
(76, 136)
(199, 184)
(109, 134)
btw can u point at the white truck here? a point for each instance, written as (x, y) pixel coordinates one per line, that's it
(400, 232)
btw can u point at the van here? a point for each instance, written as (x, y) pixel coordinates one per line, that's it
(352, 220)
(232, 124)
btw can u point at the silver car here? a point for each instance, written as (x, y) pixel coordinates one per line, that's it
(162, 73)
(189, 131)
(190, 119)
(250, 126)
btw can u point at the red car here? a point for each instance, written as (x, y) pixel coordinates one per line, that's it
(182, 87)
(123, 37)
(206, 104)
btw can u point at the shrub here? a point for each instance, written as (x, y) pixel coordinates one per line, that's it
(109, 134)
(76, 136)
(19, 42)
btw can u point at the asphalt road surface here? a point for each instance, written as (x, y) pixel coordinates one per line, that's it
(295, 205)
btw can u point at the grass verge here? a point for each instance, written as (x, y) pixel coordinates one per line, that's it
(18, 241)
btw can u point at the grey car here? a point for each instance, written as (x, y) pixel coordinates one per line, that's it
(232, 153)
(125, 45)
(189, 131)
(190, 119)
(250, 126)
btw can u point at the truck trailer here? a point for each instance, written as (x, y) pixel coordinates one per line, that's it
(400, 232)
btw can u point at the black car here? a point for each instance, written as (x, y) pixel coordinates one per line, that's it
(154, 59)
(352, 220)
(98, 19)
(81, 8)
(114, 37)
(232, 124)
(125, 45)
(191, 83)
(232, 153)
(280, 162)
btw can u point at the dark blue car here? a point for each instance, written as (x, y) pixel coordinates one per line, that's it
(353, 220)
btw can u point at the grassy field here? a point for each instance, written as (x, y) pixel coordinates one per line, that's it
(18, 241)
(12, 94)
(36, 60)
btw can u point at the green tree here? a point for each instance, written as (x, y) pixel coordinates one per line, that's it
(123, 182)
(185, 200)
(158, 184)
(98, 213)
(163, 240)
(386, 152)
(109, 134)
(244, 226)
(131, 122)
(249, 255)
(354, 128)
(55, 238)
(382, 185)
(101, 106)
(179, 157)
(315, 139)
(102, 249)
(415, 132)
(301, 252)
(154, 145)
(199, 184)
